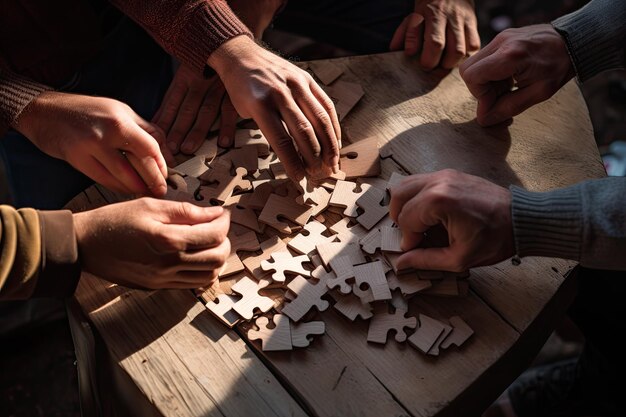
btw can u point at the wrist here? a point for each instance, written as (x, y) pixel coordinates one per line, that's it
(230, 54)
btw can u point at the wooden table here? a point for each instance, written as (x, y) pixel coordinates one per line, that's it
(169, 356)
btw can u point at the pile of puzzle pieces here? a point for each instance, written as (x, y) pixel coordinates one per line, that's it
(297, 249)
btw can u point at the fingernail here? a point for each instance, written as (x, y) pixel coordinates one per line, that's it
(223, 141)
(336, 169)
(187, 147)
(172, 146)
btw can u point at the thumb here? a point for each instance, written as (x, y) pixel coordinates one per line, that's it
(513, 103)
(428, 258)
(177, 212)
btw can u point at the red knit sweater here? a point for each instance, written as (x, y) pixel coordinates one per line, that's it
(43, 42)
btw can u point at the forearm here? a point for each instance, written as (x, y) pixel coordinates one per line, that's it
(595, 36)
(585, 222)
(189, 30)
(38, 254)
(16, 92)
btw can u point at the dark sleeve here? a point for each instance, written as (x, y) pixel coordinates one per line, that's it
(190, 30)
(16, 92)
(595, 36)
(38, 254)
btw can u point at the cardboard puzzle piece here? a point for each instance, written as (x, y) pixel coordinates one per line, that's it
(272, 339)
(351, 306)
(328, 251)
(345, 95)
(434, 351)
(372, 276)
(250, 300)
(278, 206)
(300, 332)
(285, 262)
(373, 210)
(245, 242)
(459, 335)
(407, 283)
(325, 71)
(360, 159)
(383, 321)
(193, 167)
(222, 308)
(269, 246)
(242, 215)
(345, 233)
(308, 294)
(222, 184)
(309, 237)
(346, 195)
(391, 239)
(427, 333)
(252, 137)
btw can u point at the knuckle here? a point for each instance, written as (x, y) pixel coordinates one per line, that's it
(304, 128)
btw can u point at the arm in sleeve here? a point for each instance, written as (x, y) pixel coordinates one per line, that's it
(585, 222)
(190, 30)
(595, 36)
(16, 92)
(38, 254)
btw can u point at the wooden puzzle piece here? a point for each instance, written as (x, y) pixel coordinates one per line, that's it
(459, 335)
(351, 306)
(373, 211)
(285, 262)
(300, 332)
(342, 266)
(391, 238)
(192, 184)
(278, 171)
(383, 321)
(434, 351)
(312, 195)
(257, 199)
(328, 251)
(272, 339)
(177, 182)
(252, 137)
(447, 287)
(345, 95)
(193, 167)
(325, 71)
(177, 195)
(360, 159)
(373, 276)
(345, 233)
(308, 295)
(308, 238)
(245, 242)
(398, 302)
(239, 214)
(226, 183)
(407, 283)
(330, 182)
(427, 333)
(264, 163)
(269, 246)
(250, 300)
(372, 241)
(286, 207)
(208, 149)
(246, 157)
(394, 179)
(222, 308)
(345, 195)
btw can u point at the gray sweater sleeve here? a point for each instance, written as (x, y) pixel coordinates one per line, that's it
(585, 222)
(595, 36)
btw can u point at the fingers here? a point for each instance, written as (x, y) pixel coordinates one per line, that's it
(404, 191)
(397, 41)
(414, 34)
(120, 167)
(434, 41)
(427, 259)
(206, 259)
(472, 39)
(100, 174)
(176, 212)
(206, 116)
(272, 127)
(330, 149)
(511, 104)
(185, 118)
(166, 114)
(159, 135)
(455, 44)
(150, 173)
(481, 73)
(143, 152)
(228, 124)
(201, 235)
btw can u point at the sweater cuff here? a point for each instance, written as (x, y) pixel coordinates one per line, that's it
(547, 224)
(212, 24)
(595, 37)
(60, 269)
(16, 92)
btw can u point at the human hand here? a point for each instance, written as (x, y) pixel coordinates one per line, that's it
(442, 31)
(533, 58)
(190, 107)
(101, 137)
(273, 91)
(256, 14)
(154, 244)
(475, 213)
